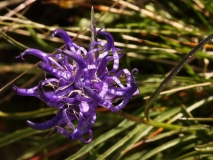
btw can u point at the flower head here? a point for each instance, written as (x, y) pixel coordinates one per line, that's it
(80, 83)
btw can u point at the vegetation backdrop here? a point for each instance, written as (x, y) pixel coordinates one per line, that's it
(155, 36)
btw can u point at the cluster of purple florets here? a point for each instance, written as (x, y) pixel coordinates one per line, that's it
(80, 83)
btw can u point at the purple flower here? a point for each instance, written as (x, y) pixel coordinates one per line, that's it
(80, 83)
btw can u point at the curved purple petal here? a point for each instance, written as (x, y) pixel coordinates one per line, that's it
(48, 124)
(50, 98)
(35, 52)
(66, 75)
(66, 38)
(75, 56)
(110, 45)
(25, 92)
(65, 133)
(69, 119)
(131, 91)
(90, 137)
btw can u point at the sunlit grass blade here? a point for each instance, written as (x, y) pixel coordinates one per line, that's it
(101, 139)
(13, 41)
(140, 128)
(173, 73)
(28, 115)
(18, 135)
(196, 154)
(38, 148)
(167, 145)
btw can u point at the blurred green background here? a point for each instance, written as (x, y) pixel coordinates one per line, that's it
(155, 36)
